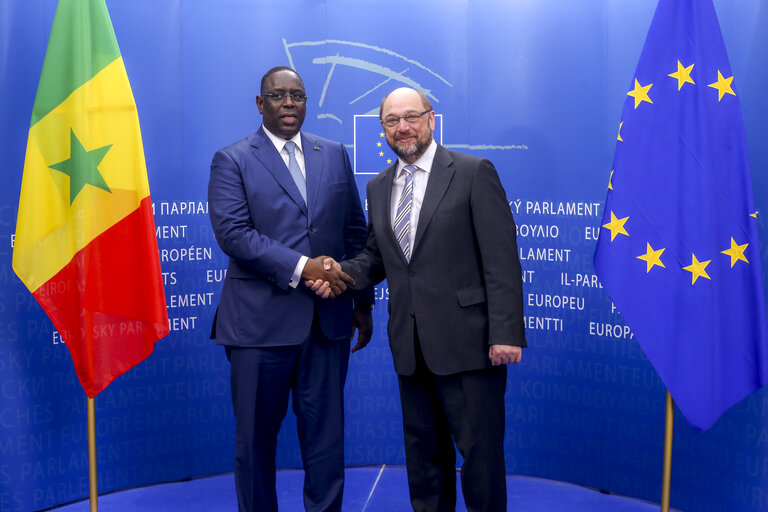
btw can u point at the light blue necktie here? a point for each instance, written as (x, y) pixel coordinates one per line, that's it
(403, 214)
(293, 167)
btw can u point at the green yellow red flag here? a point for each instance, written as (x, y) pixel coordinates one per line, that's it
(85, 242)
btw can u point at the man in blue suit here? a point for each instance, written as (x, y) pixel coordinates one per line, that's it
(279, 199)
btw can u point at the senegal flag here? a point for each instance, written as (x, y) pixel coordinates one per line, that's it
(85, 241)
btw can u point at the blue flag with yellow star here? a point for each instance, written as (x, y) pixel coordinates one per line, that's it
(372, 154)
(678, 249)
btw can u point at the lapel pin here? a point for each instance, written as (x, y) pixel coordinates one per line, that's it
(316, 148)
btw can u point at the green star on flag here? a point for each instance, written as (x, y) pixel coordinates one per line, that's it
(82, 167)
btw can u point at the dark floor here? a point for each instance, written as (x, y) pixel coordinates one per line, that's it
(367, 489)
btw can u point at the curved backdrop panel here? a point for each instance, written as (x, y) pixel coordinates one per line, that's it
(536, 87)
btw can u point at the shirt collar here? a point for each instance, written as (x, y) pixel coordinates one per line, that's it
(279, 142)
(424, 162)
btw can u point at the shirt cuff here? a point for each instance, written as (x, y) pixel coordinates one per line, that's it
(296, 277)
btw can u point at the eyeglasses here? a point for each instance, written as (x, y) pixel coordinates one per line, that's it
(392, 121)
(279, 97)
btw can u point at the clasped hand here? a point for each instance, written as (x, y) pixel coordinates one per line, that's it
(325, 277)
(324, 287)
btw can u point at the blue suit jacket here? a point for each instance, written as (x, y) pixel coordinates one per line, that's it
(261, 222)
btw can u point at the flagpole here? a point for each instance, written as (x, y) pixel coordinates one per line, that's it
(667, 470)
(92, 455)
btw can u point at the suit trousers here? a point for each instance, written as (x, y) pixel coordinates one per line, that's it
(467, 408)
(314, 373)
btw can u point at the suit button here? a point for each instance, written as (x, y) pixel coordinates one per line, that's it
(411, 273)
(312, 229)
(412, 314)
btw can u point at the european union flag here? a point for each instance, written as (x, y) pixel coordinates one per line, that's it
(678, 250)
(372, 154)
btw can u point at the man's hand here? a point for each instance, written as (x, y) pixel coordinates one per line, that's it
(324, 287)
(363, 322)
(325, 277)
(505, 354)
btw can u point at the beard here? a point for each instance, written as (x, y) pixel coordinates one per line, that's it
(413, 151)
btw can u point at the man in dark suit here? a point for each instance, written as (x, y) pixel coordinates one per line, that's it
(277, 198)
(442, 234)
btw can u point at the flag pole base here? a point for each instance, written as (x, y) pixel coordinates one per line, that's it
(667, 469)
(94, 494)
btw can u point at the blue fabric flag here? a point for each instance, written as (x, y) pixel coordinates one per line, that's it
(678, 249)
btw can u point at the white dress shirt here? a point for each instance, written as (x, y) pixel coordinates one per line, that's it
(420, 180)
(299, 153)
(280, 146)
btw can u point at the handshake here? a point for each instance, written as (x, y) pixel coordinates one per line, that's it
(323, 275)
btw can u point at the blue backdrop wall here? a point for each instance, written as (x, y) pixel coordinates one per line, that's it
(535, 86)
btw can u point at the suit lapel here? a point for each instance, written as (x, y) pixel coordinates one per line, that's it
(313, 166)
(439, 179)
(266, 153)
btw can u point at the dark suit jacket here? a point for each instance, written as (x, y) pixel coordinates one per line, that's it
(262, 224)
(463, 286)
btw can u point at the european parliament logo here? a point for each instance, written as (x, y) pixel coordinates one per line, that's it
(372, 153)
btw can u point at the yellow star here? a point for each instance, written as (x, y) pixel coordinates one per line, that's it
(616, 226)
(723, 85)
(640, 93)
(651, 257)
(683, 75)
(610, 181)
(619, 137)
(381, 153)
(696, 268)
(378, 144)
(389, 160)
(753, 215)
(736, 252)
(381, 134)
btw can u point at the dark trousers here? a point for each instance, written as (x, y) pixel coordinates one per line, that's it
(262, 378)
(468, 409)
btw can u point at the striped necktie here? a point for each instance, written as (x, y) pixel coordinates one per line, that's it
(295, 170)
(402, 222)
